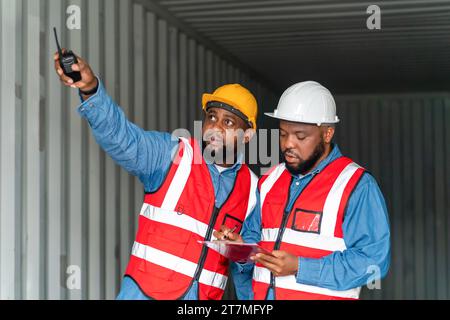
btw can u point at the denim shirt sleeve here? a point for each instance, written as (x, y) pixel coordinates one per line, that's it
(242, 273)
(145, 154)
(367, 238)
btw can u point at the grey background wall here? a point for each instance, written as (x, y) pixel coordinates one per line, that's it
(404, 141)
(66, 207)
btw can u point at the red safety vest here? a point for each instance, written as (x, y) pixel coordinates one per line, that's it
(166, 256)
(312, 229)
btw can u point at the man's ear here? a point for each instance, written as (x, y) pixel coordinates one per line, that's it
(248, 135)
(328, 134)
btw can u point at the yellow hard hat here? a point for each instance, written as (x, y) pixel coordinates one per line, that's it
(236, 99)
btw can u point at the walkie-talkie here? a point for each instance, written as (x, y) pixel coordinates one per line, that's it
(66, 60)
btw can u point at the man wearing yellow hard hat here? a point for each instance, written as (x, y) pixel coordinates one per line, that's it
(186, 201)
(235, 99)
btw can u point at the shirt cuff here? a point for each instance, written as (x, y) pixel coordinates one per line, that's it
(308, 271)
(88, 107)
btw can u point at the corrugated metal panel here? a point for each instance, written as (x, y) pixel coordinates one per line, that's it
(64, 204)
(404, 141)
(291, 40)
(94, 164)
(8, 139)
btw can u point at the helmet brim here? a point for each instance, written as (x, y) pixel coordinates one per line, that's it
(292, 119)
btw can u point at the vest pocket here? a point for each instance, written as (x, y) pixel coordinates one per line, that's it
(307, 221)
(232, 222)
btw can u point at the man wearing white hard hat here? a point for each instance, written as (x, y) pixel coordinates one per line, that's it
(323, 217)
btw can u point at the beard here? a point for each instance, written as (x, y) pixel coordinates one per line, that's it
(305, 165)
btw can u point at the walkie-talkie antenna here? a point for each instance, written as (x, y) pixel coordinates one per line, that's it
(57, 43)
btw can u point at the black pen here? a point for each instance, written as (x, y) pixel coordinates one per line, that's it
(231, 231)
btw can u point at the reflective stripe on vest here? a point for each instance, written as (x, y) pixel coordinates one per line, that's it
(183, 266)
(180, 178)
(316, 243)
(173, 218)
(310, 240)
(262, 274)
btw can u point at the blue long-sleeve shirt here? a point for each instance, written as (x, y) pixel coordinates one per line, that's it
(147, 155)
(366, 236)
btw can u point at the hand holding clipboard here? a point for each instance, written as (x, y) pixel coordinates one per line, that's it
(235, 251)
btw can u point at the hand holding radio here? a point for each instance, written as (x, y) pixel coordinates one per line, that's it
(73, 71)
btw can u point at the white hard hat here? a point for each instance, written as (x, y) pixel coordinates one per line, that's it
(307, 102)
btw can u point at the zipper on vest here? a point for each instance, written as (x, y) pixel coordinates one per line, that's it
(279, 236)
(203, 255)
(212, 223)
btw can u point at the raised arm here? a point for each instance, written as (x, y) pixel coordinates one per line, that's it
(145, 154)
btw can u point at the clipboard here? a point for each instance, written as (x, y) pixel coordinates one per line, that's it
(237, 252)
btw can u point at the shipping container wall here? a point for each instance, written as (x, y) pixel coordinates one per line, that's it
(68, 213)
